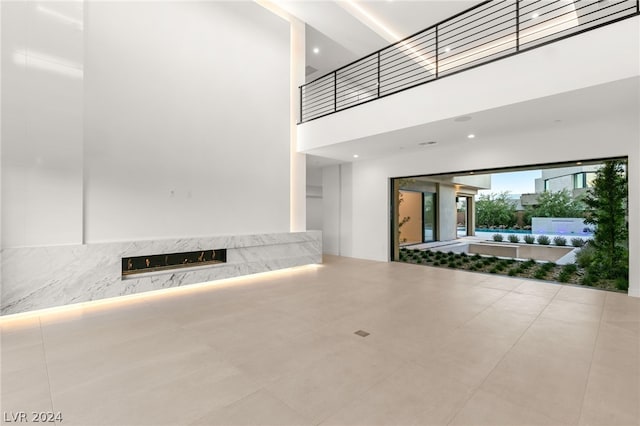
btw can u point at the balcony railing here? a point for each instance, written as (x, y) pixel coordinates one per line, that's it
(484, 33)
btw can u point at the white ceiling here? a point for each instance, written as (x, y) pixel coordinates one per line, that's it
(346, 30)
(567, 109)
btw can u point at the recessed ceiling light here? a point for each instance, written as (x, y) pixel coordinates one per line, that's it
(471, 173)
(355, 156)
(462, 118)
(579, 163)
(535, 15)
(471, 136)
(316, 50)
(447, 49)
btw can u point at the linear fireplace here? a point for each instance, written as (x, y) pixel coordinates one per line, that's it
(165, 262)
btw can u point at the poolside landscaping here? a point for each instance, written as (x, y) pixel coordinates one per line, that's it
(570, 273)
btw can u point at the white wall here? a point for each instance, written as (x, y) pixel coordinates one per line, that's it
(337, 210)
(147, 136)
(42, 116)
(143, 120)
(611, 136)
(331, 198)
(314, 198)
(314, 213)
(187, 120)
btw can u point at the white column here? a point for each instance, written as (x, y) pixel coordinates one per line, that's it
(298, 175)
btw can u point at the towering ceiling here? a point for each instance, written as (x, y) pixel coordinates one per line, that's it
(341, 31)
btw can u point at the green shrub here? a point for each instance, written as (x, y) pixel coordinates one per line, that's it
(584, 258)
(577, 242)
(513, 238)
(540, 273)
(494, 270)
(494, 259)
(560, 241)
(451, 264)
(588, 279)
(547, 267)
(513, 272)
(622, 283)
(529, 239)
(463, 254)
(543, 240)
(563, 276)
(570, 268)
(497, 237)
(473, 267)
(450, 253)
(476, 256)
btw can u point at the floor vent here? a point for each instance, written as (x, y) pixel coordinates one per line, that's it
(361, 333)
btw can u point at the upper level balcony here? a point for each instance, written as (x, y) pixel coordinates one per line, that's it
(488, 32)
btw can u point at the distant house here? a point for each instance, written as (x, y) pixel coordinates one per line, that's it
(576, 180)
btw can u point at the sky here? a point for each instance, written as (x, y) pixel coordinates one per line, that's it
(514, 182)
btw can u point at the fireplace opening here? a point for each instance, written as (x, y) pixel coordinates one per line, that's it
(163, 262)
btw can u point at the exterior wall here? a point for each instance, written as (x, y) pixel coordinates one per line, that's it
(447, 214)
(559, 183)
(411, 208)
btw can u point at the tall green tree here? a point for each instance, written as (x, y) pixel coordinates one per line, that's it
(607, 208)
(495, 210)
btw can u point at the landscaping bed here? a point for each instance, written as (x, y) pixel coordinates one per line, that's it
(545, 271)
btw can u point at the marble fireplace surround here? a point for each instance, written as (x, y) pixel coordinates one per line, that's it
(43, 277)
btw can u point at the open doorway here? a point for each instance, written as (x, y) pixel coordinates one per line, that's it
(537, 221)
(464, 215)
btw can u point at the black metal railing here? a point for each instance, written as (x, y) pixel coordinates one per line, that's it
(484, 33)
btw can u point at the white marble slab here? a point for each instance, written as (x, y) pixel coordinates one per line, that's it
(41, 277)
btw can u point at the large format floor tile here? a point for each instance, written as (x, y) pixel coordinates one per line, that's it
(443, 347)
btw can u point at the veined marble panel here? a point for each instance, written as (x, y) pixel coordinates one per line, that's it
(42, 277)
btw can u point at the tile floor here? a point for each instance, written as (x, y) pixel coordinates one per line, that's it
(446, 348)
